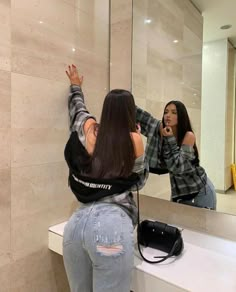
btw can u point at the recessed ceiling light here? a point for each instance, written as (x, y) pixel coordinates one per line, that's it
(148, 20)
(227, 26)
(175, 41)
(73, 49)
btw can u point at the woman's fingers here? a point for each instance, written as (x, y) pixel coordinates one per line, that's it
(67, 74)
(69, 69)
(73, 75)
(167, 131)
(74, 69)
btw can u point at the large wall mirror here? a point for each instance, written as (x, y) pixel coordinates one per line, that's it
(185, 50)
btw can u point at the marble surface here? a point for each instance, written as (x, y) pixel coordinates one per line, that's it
(207, 263)
(39, 38)
(121, 44)
(205, 260)
(5, 32)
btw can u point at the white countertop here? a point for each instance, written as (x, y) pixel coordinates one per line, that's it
(207, 263)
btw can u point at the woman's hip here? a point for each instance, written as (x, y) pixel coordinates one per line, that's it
(98, 221)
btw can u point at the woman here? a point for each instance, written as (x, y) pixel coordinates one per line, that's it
(171, 145)
(105, 161)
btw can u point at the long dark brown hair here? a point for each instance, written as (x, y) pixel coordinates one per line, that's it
(184, 124)
(114, 153)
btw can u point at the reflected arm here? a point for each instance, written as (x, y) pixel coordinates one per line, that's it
(146, 121)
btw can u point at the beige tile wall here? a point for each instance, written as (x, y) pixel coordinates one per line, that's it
(121, 47)
(5, 144)
(38, 39)
(211, 222)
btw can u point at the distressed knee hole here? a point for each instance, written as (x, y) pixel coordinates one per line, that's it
(110, 249)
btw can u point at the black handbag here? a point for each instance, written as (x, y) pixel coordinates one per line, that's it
(160, 236)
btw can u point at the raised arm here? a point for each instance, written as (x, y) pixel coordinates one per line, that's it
(80, 118)
(146, 121)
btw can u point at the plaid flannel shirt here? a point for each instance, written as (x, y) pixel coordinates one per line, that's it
(78, 115)
(186, 177)
(150, 128)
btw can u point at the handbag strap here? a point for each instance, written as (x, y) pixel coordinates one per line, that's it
(161, 258)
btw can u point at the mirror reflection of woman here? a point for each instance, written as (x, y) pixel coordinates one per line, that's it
(171, 145)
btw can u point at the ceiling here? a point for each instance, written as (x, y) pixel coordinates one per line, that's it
(215, 14)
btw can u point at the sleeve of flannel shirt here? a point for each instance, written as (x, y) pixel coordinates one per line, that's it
(146, 121)
(141, 168)
(178, 159)
(78, 112)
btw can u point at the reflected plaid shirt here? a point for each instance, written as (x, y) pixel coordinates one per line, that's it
(78, 114)
(186, 176)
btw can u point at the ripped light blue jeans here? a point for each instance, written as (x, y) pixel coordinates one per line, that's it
(98, 249)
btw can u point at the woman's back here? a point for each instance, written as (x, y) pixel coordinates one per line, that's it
(114, 143)
(91, 131)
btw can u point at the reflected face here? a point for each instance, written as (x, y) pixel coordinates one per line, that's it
(170, 115)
